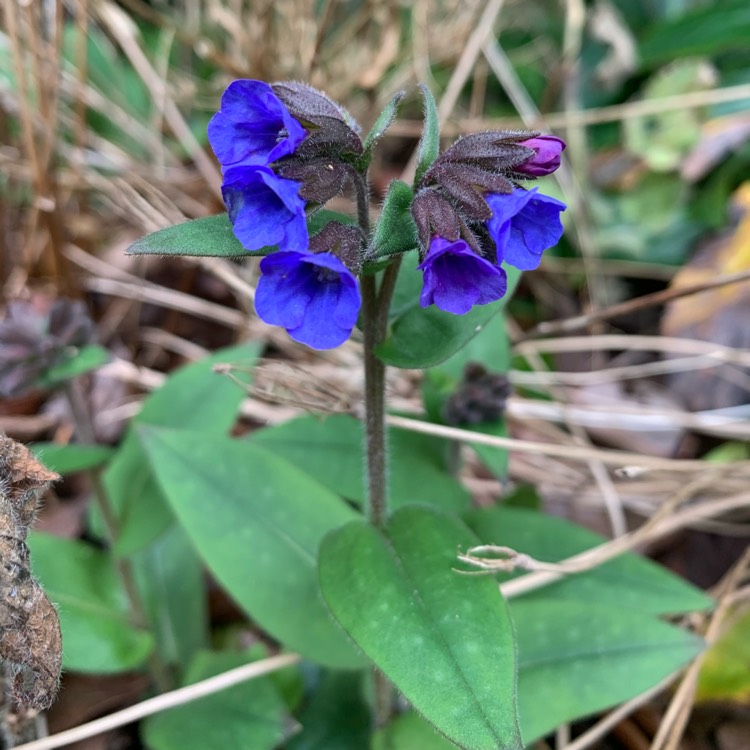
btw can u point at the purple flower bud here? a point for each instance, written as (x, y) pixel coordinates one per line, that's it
(253, 126)
(456, 278)
(547, 150)
(524, 224)
(265, 209)
(313, 295)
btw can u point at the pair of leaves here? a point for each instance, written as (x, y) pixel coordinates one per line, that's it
(397, 596)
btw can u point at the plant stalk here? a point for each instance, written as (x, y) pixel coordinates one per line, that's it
(375, 304)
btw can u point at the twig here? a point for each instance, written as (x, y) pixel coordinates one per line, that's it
(163, 702)
(593, 116)
(623, 308)
(612, 719)
(577, 452)
(668, 344)
(675, 720)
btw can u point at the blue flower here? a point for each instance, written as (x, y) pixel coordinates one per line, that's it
(265, 209)
(456, 278)
(313, 295)
(253, 126)
(524, 224)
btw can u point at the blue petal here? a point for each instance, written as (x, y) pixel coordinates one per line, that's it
(315, 297)
(253, 126)
(524, 224)
(284, 290)
(456, 278)
(265, 209)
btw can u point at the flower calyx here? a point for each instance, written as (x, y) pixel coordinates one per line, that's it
(344, 241)
(331, 130)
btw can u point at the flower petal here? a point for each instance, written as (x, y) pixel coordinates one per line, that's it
(314, 296)
(456, 278)
(265, 209)
(253, 126)
(524, 224)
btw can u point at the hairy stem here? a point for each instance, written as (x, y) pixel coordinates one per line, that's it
(85, 428)
(377, 490)
(375, 304)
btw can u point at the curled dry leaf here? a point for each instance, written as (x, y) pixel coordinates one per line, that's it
(30, 640)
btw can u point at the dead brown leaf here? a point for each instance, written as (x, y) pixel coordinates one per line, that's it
(30, 639)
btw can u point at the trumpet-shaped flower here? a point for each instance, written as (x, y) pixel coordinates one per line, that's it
(456, 278)
(253, 126)
(265, 209)
(313, 295)
(524, 224)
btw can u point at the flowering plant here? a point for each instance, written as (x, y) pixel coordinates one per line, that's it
(380, 585)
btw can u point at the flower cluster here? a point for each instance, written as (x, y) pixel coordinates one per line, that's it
(472, 216)
(286, 149)
(282, 148)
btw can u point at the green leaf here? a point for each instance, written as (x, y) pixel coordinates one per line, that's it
(212, 236)
(67, 459)
(409, 732)
(629, 581)
(577, 658)
(395, 231)
(336, 717)
(330, 449)
(98, 636)
(248, 715)
(84, 360)
(429, 143)
(445, 640)
(256, 520)
(703, 31)
(424, 337)
(383, 122)
(192, 397)
(171, 580)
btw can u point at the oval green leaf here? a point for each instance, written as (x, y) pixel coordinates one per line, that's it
(212, 236)
(98, 635)
(576, 659)
(445, 640)
(256, 521)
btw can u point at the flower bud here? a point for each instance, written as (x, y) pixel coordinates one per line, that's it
(547, 150)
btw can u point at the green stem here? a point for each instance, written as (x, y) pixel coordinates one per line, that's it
(85, 428)
(377, 490)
